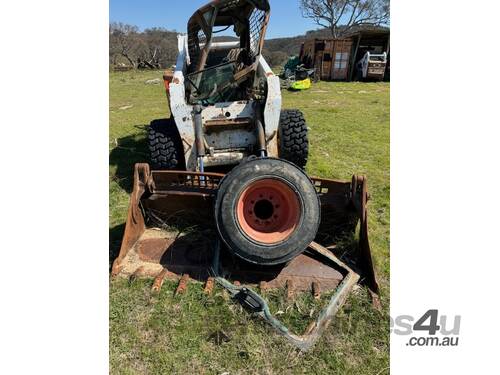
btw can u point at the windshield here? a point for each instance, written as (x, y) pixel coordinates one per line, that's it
(213, 85)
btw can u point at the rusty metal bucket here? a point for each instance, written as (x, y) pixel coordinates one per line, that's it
(170, 234)
(170, 230)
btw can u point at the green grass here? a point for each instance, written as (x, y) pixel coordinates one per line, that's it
(349, 134)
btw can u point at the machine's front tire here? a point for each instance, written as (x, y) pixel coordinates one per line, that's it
(292, 137)
(267, 211)
(165, 145)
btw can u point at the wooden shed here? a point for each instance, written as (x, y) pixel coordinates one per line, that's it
(336, 59)
(329, 56)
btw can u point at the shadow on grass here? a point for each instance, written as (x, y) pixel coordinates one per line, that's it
(126, 153)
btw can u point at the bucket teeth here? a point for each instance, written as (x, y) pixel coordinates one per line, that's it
(289, 290)
(376, 301)
(209, 286)
(310, 327)
(158, 282)
(316, 290)
(135, 274)
(181, 288)
(116, 269)
(262, 286)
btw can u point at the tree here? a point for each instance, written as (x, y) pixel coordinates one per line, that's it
(151, 49)
(341, 16)
(124, 41)
(159, 47)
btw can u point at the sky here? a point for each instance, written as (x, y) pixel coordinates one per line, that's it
(286, 19)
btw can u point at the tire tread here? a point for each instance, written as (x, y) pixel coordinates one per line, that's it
(293, 137)
(165, 145)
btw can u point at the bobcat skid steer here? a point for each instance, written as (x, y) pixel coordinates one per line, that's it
(372, 66)
(227, 200)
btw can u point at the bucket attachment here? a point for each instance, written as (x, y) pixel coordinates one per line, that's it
(171, 233)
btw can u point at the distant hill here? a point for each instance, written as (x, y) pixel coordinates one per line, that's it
(291, 45)
(159, 46)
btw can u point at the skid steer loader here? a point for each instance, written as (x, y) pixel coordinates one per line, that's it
(372, 66)
(230, 163)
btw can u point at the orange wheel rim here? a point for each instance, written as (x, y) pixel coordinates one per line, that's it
(268, 211)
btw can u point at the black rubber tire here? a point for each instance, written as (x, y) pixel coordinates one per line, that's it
(237, 181)
(292, 136)
(165, 145)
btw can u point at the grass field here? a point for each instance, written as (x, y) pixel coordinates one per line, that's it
(349, 133)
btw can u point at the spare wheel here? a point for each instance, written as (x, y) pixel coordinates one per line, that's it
(267, 211)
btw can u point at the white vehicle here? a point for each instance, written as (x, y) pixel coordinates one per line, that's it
(224, 99)
(372, 66)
